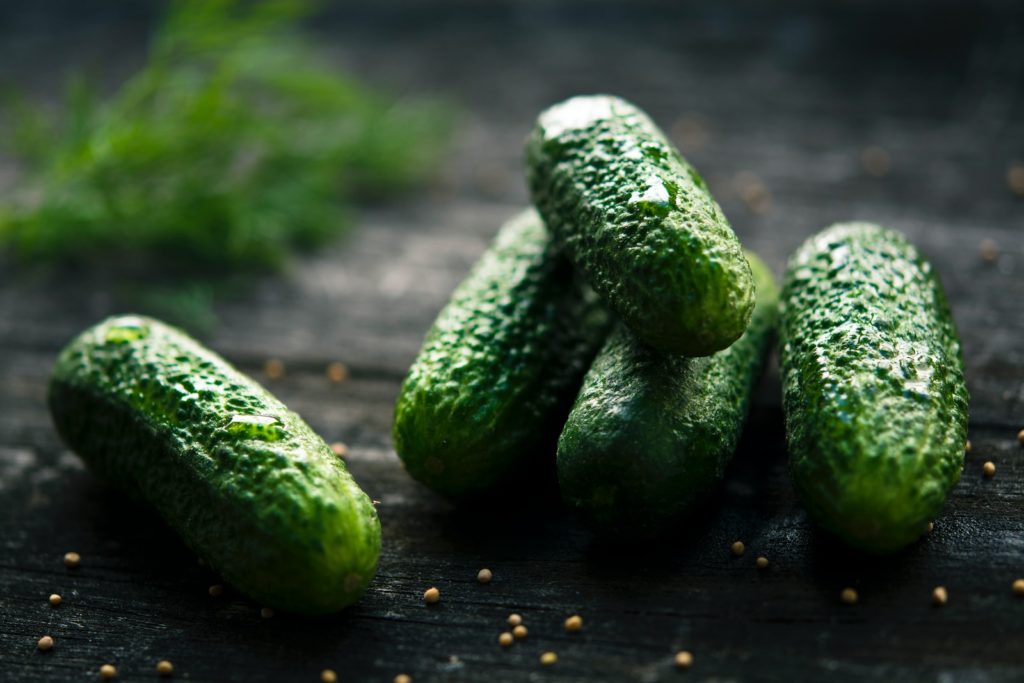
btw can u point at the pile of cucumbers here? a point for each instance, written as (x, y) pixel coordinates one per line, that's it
(621, 325)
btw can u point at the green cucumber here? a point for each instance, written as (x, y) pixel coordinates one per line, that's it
(243, 480)
(640, 224)
(651, 432)
(498, 371)
(874, 392)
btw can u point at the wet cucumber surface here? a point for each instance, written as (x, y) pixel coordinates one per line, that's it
(488, 394)
(874, 392)
(243, 480)
(651, 433)
(640, 224)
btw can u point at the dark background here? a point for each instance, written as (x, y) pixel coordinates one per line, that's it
(776, 105)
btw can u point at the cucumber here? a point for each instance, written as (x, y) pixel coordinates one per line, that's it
(874, 393)
(244, 481)
(489, 392)
(652, 432)
(640, 224)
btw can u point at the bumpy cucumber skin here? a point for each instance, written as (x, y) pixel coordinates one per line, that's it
(264, 502)
(640, 224)
(498, 371)
(651, 432)
(874, 392)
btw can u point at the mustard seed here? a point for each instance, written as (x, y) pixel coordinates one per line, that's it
(340, 449)
(431, 596)
(216, 590)
(266, 612)
(989, 250)
(108, 671)
(876, 161)
(989, 469)
(1018, 587)
(848, 596)
(967, 446)
(164, 668)
(762, 562)
(273, 369)
(514, 620)
(505, 639)
(45, 643)
(931, 527)
(574, 623)
(337, 372)
(403, 678)
(519, 632)
(939, 596)
(684, 659)
(1015, 178)
(55, 599)
(738, 548)
(1020, 437)
(484, 575)
(328, 676)
(548, 658)
(72, 560)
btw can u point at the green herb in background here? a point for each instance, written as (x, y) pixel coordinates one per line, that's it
(231, 147)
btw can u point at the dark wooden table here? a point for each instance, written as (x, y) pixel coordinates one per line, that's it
(777, 108)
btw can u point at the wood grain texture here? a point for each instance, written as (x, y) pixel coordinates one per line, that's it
(792, 98)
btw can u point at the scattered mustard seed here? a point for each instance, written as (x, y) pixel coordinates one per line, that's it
(989, 250)
(548, 658)
(762, 562)
(54, 599)
(431, 596)
(45, 643)
(72, 560)
(108, 671)
(403, 678)
(519, 632)
(1020, 437)
(164, 668)
(505, 639)
(328, 676)
(848, 596)
(939, 596)
(484, 575)
(337, 372)
(967, 446)
(738, 548)
(216, 590)
(273, 369)
(340, 449)
(574, 623)
(931, 527)
(989, 469)
(514, 620)
(1018, 587)
(1015, 178)
(266, 612)
(684, 659)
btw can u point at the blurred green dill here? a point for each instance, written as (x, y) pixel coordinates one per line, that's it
(232, 147)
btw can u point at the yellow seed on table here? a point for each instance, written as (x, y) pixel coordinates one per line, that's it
(939, 596)
(1020, 436)
(340, 449)
(684, 659)
(164, 668)
(216, 590)
(548, 658)
(848, 596)
(266, 612)
(484, 575)
(574, 623)
(431, 596)
(989, 469)
(505, 639)
(337, 372)
(72, 560)
(762, 562)
(273, 369)
(967, 446)
(55, 599)
(1018, 587)
(403, 678)
(328, 676)
(108, 671)
(514, 620)
(931, 527)
(519, 632)
(45, 643)
(989, 250)
(738, 548)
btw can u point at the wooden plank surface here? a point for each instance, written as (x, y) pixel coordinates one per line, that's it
(793, 98)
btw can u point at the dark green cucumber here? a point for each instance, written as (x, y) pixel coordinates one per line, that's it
(651, 432)
(875, 400)
(498, 371)
(640, 224)
(243, 480)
